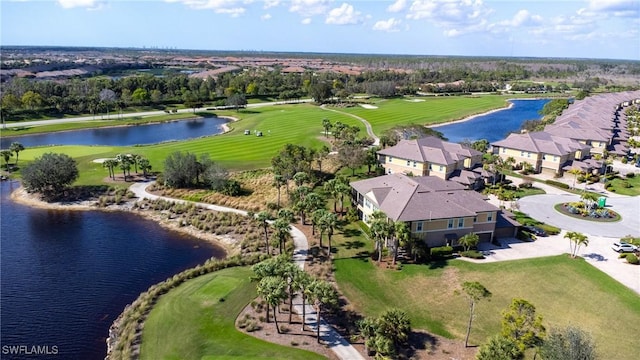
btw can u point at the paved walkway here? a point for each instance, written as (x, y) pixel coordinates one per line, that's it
(329, 335)
(376, 140)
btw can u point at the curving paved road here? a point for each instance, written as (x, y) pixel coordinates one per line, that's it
(376, 140)
(329, 335)
(541, 207)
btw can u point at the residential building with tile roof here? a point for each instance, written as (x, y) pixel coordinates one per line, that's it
(438, 211)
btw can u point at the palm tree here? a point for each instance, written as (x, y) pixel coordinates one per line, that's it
(401, 235)
(380, 230)
(263, 217)
(110, 164)
(125, 166)
(281, 229)
(278, 182)
(342, 189)
(323, 294)
(329, 222)
(135, 159)
(16, 147)
(316, 217)
(394, 324)
(6, 154)
(302, 281)
(469, 240)
(576, 240)
(145, 166)
(272, 290)
(575, 173)
(326, 124)
(330, 188)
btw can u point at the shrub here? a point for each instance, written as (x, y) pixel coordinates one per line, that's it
(557, 184)
(633, 259)
(441, 252)
(631, 175)
(524, 235)
(526, 185)
(473, 254)
(549, 229)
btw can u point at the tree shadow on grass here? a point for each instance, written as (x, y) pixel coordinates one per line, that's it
(351, 233)
(419, 340)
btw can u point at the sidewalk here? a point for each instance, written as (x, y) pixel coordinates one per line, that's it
(329, 335)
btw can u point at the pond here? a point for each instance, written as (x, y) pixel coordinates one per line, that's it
(125, 135)
(495, 125)
(66, 275)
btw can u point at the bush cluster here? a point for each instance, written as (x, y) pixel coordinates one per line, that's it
(633, 259)
(441, 252)
(472, 254)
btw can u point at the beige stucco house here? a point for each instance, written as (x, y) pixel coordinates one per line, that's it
(431, 156)
(438, 211)
(545, 152)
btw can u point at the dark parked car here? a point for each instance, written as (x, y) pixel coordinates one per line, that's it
(536, 231)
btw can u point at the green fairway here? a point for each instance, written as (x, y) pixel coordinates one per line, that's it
(565, 291)
(424, 111)
(197, 321)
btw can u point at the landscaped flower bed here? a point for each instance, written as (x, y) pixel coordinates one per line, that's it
(578, 210)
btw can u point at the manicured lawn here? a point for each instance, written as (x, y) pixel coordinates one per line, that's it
(197, 321)
(618, 185)
(425, 110)
(564, 291)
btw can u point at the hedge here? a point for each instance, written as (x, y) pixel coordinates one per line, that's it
(633, 259)
(557, 184)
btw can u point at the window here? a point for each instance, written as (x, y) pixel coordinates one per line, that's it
(430, 166)
(544, 157)
(419, 226)
(489, 217)
(475, 219)
(522, 153)
(504, 150)
(441, 167)
(555, 158)
(528, 154)
(414, 164)
(389, 159)
(450, 225)
(461, 222)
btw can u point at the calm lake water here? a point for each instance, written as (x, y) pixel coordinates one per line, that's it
(125, 135)
(495, 126)
(66, 275)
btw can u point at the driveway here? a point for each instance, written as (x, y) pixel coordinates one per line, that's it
(598, 253)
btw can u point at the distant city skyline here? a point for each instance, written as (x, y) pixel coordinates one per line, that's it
(605, 29)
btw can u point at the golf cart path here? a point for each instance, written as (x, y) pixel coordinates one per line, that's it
(336, 343)
(376, 140)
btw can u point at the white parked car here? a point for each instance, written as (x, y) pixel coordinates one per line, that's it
(624, 247)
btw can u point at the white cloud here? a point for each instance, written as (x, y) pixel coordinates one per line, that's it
(89, 4)
(344, 15)
(308, 8)
(231, 7)
(306, 21)
(456, 17)
(271, 3)
(390, 25)
(265, 17)
(397, 6)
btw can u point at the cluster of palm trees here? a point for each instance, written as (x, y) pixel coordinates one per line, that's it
(124, 162)
(280, 280)
(384, 230)
(7, 154)
(385, 334)
(307, 205)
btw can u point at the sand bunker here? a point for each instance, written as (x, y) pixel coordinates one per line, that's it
(367, 106)
(414, 100)
(101, 160)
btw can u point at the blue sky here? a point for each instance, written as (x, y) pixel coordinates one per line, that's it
(542, 28)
